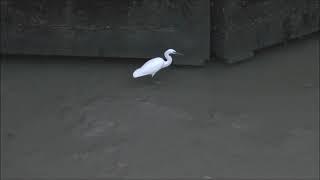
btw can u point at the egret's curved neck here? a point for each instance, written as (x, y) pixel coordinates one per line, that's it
(168, 59)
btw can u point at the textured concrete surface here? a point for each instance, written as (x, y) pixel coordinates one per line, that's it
(65, 117)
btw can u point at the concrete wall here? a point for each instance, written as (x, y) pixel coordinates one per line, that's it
(228, 29)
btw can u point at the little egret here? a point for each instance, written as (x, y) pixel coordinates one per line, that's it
(152, 66)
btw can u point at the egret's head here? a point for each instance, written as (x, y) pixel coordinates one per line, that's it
(172, 51)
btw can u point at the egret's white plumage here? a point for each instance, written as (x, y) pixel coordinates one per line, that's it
(152, 66)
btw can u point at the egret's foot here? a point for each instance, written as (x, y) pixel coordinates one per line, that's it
(143, 99)
(156, 82)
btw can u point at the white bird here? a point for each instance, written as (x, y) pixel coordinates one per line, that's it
(152, 66)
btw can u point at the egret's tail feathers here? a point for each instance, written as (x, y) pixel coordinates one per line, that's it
(138, 73)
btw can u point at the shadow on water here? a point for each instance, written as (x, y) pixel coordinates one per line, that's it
(55, 59)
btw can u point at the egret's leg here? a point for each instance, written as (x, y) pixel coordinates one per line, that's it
(156, 80)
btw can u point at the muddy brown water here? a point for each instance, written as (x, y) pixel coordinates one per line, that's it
(89, 118)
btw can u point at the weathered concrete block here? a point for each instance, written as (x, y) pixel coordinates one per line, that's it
(107, 28)
(239, 27)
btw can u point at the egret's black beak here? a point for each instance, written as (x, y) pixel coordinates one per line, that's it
(177, 53)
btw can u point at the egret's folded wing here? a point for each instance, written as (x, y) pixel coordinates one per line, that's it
(150, 67)
(153, 62)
